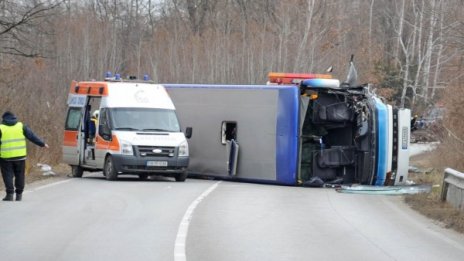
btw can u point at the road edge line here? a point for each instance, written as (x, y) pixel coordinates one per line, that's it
(181, 237)
(50, 185)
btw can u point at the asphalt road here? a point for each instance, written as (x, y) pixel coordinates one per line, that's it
(94, 219)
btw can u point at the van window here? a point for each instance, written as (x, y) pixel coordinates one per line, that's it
(103, 125)
(73, 119)
(228, 131)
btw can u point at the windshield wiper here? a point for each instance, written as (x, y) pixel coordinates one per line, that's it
(156, 130)
(126, 128)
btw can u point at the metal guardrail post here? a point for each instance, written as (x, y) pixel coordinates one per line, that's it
(444, 187)
(456, 180)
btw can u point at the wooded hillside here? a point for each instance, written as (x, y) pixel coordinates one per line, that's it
(412, 50)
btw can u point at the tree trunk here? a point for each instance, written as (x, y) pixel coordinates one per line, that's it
(418, 47)
(439, 52)
(370, 34)
(400, 30)
(428, 54)
(307, 31)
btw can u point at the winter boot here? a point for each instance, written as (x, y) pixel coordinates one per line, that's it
(19, 197)
(8, 197)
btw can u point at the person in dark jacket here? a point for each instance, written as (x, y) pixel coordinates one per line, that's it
(13, 135)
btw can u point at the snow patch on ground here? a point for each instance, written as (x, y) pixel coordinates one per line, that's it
(419, 148)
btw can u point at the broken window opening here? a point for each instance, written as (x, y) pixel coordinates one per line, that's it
(228, 131)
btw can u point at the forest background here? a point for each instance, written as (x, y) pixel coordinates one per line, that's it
(410, 50)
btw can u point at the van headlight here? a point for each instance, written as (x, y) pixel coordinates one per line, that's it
(126, 148)
(184, 149)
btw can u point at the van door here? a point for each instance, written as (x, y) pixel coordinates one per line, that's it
(84, 136)
(72, 136)
(89, 131)
(103, 138)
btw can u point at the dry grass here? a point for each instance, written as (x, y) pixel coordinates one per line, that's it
(34, 174)
(429, 204)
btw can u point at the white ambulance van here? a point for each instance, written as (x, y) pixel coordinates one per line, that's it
(135, 131)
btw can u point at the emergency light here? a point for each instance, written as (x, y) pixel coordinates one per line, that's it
(294, 78)
(117, 77)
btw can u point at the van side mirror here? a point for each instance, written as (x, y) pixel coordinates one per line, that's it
(188, 132)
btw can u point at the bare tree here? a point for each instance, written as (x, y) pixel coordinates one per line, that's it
(419, 43)
(428, 53)
(18, 19)
(306, 32)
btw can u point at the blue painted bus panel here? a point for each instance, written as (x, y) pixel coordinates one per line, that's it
(287, 135)
(321, 83)
(382, 142)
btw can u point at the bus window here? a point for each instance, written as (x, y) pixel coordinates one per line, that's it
(228, 131)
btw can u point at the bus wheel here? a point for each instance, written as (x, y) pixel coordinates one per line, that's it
(180, 177)
(77, 171)
(143, 176)
(110, 172)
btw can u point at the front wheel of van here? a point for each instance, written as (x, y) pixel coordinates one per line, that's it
(110, 172)
(181, 177)
(77, 171)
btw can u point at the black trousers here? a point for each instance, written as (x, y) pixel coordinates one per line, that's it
(13, 175)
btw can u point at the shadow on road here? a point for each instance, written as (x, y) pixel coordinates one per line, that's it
(129, 178)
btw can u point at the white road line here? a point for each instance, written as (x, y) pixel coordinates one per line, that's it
(51, 185)
(179, 245)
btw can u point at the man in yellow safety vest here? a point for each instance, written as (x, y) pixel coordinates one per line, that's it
(13, 135)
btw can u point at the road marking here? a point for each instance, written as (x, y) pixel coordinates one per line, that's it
(179, 245)
(51, 185)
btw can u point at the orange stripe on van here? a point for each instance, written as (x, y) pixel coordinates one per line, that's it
(70, 138)
(110, 145)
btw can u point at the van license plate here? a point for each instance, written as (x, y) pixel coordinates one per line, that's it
(155, 163)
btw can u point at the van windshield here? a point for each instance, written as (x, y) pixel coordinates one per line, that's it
(144, 119)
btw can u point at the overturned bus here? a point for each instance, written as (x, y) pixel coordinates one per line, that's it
(291, 134)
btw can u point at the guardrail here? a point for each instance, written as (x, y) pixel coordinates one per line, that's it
(453, 188)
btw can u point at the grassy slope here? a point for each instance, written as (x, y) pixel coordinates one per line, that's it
(429, 204)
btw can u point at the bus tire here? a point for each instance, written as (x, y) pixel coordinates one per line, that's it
(143, 176)
(109, 170)
(77, 171)
(181, 177)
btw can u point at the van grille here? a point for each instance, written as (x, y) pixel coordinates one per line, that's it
(156, 151)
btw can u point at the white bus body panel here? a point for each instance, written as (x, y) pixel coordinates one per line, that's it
(404, 131)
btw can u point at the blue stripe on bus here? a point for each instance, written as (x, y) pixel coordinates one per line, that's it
(287, 135)
(382, 142)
